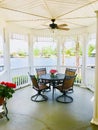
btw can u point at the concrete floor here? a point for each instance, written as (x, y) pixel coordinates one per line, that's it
(25, 114)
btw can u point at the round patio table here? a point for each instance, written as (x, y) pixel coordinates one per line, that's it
(53, 80)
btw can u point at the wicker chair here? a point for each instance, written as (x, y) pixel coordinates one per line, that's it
(68, 83)
(39, 72)
(39, 87)
(42, 71)
(70, 72)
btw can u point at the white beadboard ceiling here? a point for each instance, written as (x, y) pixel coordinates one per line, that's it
(37, 14)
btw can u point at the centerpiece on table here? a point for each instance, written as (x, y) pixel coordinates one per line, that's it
(53, 73)
(6, 91)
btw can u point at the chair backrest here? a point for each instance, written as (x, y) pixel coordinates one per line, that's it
(70, 72)
(68, 82)
(34, 81)
(40, 71)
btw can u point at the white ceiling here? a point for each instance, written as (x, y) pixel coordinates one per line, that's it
(37, 14)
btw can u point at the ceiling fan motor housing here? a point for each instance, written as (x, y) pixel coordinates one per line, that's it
(53, 25)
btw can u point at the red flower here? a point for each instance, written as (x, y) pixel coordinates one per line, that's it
(53, 71)
(8, 84)
(7, 89)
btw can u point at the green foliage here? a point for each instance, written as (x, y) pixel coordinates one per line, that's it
(49, 51)
(22, 53)
(78, 79)
(19, 53)
(46, 51)
(91, 47)
(6, 92)
(36, 52)
(70, 52)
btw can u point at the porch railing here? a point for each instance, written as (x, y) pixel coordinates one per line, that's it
(21, 78)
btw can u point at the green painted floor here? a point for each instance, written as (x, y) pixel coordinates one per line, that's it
(25, 114)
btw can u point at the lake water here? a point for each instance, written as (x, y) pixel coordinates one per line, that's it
(23, 62)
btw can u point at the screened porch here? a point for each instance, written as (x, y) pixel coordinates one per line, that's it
(36, 34)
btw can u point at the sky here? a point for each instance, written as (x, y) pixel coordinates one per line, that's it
(17, 45)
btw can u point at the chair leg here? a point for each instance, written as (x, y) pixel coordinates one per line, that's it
(6, 111)
(39, 97)
(64, 99)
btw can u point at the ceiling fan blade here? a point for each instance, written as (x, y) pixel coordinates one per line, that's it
(61, 25)
(63, 29)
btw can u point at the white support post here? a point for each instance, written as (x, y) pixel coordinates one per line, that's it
(59, 43)
(31, 58)
(58, 53)
(85, 37)
(6, 53)
(95, 113)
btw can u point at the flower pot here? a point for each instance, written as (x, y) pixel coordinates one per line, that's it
(52, 75)
(1, 100)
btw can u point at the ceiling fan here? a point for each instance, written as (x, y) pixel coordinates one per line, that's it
(55, 26)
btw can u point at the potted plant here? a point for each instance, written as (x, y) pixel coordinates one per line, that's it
(6, 91)
(53, 72)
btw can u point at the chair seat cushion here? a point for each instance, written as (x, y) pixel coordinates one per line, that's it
(41, 87)
(60, 87)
